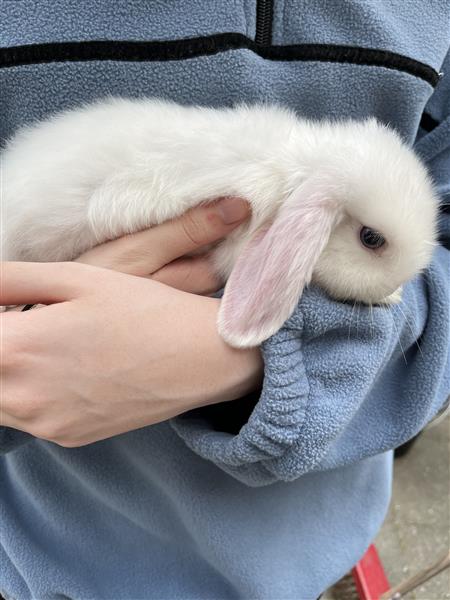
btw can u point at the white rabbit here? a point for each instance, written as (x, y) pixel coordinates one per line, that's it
(344, 204)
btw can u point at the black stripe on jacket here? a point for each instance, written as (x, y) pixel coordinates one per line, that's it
(182, 49)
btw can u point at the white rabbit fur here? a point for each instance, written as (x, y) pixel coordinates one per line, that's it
(100, 171)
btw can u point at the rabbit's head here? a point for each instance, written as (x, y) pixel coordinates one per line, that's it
(361, 223)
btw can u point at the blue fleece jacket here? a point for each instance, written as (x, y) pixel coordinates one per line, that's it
(275, 496)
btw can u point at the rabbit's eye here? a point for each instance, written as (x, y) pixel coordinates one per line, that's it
(370, 238)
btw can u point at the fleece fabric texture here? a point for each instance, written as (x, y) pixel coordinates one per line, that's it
(280, 504)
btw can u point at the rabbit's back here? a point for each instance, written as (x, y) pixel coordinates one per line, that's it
(103, 170)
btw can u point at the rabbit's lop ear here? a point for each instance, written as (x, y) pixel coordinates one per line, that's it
(269, 275)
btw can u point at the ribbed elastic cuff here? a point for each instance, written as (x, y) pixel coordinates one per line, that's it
(275, 423)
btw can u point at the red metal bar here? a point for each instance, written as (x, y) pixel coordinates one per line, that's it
(369, 576)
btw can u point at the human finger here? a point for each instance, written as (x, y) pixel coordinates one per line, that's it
(147, 251)
(47, 283)
(191, 274)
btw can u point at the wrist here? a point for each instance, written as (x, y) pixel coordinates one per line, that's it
(223, 373)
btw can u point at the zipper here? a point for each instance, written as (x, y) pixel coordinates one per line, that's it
(264, 16)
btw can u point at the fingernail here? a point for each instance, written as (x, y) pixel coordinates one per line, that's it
(233, 210)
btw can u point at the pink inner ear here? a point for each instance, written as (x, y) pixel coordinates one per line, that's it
(270, 274)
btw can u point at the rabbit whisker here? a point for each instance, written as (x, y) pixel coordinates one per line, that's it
(357, 320)
(410, 328)
(351, 319)
(372, 324)
(398, 336)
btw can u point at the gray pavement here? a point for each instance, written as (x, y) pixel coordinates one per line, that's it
(417, 529)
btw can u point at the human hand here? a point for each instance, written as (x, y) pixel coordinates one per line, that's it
(49, 394)
(110, 353)
(160, 252)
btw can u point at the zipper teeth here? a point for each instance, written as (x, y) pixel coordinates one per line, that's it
(264, 14)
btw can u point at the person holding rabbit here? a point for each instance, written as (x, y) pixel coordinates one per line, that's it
(140, 455)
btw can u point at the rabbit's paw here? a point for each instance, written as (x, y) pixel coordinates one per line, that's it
(394, 298)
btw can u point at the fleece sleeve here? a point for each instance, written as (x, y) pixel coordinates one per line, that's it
(10, 439)
(345, 382)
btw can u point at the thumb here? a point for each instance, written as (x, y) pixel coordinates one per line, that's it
(201, 226)
(46, 283)
(148, 251)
